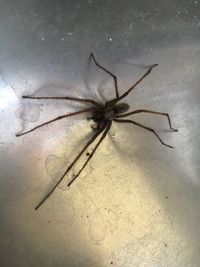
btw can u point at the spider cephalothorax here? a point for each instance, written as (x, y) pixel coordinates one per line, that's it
(103, 115)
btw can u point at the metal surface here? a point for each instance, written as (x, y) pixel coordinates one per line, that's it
(137, 203)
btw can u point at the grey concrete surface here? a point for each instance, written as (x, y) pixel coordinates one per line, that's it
(137, 202)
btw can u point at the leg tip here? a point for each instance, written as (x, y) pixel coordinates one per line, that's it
(154, 65)
(168, 146)
(174, 130)
(37, 207)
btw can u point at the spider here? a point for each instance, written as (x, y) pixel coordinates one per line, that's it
(103, 115)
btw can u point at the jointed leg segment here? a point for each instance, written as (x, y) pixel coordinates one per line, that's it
(71, 165)
(148, 111)
(117, 99)
(145, 127)
(91, 155)
(84, 100)
(56, 119)
(107, 71)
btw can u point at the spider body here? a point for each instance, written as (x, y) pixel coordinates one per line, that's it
(103, 115)
(106, 112)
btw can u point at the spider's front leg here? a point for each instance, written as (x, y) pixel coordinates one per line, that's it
(107, 71)
(117, 99)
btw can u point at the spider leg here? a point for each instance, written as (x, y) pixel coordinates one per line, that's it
(56, 119)
(71, 165)
(107, 71)
(149, 111)
(86, 100)
(91, 155)
(117, 99)
(145, 127)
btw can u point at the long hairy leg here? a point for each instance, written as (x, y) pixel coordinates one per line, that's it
(149, 111)
(56, 119)
(91, 155)
(71, 165)
(117, 99)
(85, 100)
(107, 71)
(144, 127)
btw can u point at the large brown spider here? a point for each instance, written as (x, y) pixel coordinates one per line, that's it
(103, 115)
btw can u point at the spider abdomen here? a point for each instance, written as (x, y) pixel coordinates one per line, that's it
(121, 108)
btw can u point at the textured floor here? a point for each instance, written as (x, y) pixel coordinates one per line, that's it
(137, 202)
